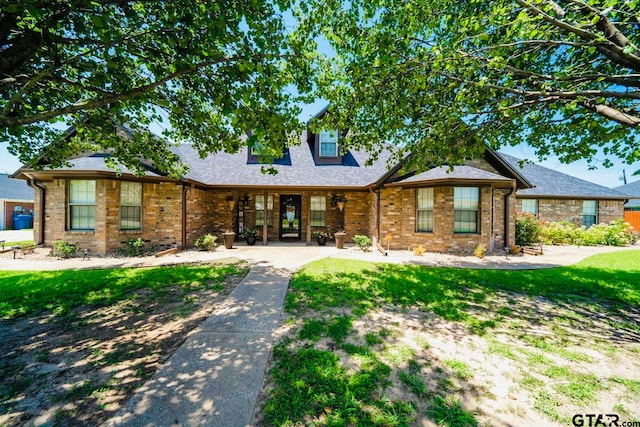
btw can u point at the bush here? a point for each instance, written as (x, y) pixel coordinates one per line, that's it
(558, 233)
(63, 249)
(419, 250)
(363, 242)
(479, 251)
(134, 247)
(528, 229)
(615, 233)
(206, 242)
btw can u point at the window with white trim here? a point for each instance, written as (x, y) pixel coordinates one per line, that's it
(530, 206)
(260, 209)
(318, 211)
(589, 213)
(82, 204)
(130, 205)
(329, 143)
(465, 209)
(424, 209)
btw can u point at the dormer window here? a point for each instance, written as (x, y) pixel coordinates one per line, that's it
(329, 143)
(255, 150)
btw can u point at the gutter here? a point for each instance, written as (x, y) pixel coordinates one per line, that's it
(506, 214)
(33, 183)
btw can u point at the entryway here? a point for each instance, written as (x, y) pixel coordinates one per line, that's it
(290, 212)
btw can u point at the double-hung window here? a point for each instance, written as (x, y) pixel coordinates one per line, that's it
(260, 209)
(589, 212)
(82, 204)
(130, 205)
(424, 209)
(465, 209)
(318, 211)
(329, 143)
(530, 206)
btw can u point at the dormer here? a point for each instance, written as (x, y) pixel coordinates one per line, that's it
(325, 146)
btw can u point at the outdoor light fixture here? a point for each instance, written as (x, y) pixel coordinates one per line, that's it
(338, 201)
(231, 202)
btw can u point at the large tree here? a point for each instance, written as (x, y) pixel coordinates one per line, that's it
(209, 72)
(440, 77)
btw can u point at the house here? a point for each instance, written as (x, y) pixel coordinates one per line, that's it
(15, 196)
(632, 207)
(317, 187)
(556, 196)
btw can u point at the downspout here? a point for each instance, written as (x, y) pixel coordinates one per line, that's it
(506, 215)
(184, 216)
(34, 184)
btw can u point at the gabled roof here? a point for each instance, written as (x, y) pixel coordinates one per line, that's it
(550, 183)
(459, 174)
(14, 189)
(632, 190)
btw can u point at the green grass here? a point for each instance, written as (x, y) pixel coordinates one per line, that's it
(26, 293)
(17, 243)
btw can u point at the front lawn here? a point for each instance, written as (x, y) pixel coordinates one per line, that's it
(75, 344)
(383, 344)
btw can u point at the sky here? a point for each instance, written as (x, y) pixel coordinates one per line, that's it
(608, 177)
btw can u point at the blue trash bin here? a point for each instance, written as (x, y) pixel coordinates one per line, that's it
(22, 221)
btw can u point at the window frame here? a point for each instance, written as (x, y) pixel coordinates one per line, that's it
(138, 205)
(420, 211)
(466, 210)
(594, 215)
(323, 211)
(72, 205)
(332, 141)
(269, 213)
(536, 203)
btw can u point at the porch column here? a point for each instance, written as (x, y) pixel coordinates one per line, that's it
(265, 221)
(308, 216)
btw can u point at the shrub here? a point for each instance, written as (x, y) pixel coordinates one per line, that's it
(419, 250)
(206, 242)
(363, 242)
(528, 229)
(558, 233)
(615, 233)
(63, 249)
(479, 251)
(133, 247)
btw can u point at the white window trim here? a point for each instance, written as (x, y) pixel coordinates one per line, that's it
(141, 187)
(431, 209)
(477, 212)
(333, 141)
(71, 204)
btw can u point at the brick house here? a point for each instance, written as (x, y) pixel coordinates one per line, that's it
(317, 186)
(14, 195)
(632, 206)
(557, 196)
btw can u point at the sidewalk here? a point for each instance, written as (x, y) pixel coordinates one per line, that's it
(215, 376)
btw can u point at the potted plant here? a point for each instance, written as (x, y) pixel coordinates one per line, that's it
(251, 234)
(321, 237)
(340, 237)
(228, 238)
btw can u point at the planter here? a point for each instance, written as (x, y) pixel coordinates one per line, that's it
(228, 239)
(340, 238)
(251, 240)
(321, 241)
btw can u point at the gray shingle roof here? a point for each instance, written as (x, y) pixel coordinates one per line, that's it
(462, 172)
(95, 163)
(633, 191)
(14, 189)
(549, 183)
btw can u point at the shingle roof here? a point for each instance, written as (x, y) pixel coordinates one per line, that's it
(14, 189)
(462, 172)
(633, 191)
(224, 169)
(551, 183)
(95, 163)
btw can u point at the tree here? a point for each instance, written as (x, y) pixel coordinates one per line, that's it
(442, 77)
(210, 72)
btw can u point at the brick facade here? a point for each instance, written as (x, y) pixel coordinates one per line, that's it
(554, 210)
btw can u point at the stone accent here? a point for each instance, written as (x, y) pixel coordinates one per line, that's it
(554, 210)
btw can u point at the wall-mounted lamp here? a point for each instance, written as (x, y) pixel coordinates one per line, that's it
(338, 201)
(231, 202)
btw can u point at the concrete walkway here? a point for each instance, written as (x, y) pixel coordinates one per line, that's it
(214, 378)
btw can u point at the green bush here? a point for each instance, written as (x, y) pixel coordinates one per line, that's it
(528, 229)
(63, 249)
(134, 247)
(363, 242)
(615, 233)
(206, 242)
(558, 233)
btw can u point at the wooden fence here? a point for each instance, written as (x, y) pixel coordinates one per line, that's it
(633, 218)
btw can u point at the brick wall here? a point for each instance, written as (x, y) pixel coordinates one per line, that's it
(554, 210)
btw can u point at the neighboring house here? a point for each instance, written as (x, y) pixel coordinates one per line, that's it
(632, 207)
(89, 204)
(557, 196)
(14, 194)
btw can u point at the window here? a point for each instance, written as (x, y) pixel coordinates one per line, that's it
(589, 212)
(255, 150)
(530, 206)
(329, 143)
(82, 204)
(424, 209)
(260, 209)
(130, 205)
(465, 209)
(318, 211)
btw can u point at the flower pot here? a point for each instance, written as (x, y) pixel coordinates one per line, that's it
(228, 239)
(340, 238)
(251, 240)
(322, 241)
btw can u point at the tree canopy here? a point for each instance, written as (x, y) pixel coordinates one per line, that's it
(212, 72)
(442, 77)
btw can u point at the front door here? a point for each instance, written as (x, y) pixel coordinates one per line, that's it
(290, 223)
